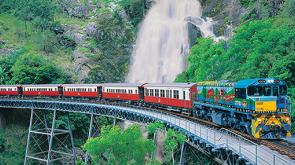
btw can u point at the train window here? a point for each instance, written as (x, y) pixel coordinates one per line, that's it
(176, 94)
(170, 94)
(151, 92)
(167, 93)
(240, 93)
(267, 91)
(283, 90)
(183, 95)
(162, 92)
(275, 91)
(157, 92)
(136, 91)
(146, 92)
(254, 91)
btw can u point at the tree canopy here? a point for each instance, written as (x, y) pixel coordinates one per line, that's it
(36, 69)
(263, 48)
(118, 146)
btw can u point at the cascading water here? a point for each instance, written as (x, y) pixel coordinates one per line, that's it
(163, 40)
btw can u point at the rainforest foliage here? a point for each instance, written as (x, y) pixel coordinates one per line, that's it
(117, 146)
(90, 41)
(262, 46)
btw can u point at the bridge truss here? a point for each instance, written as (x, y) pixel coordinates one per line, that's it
(224, 146)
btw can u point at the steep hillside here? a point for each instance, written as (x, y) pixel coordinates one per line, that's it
(87, 41)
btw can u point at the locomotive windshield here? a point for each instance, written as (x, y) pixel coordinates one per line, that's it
(283, 90)
(267, 90)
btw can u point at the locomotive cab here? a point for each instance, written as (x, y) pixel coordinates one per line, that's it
(270, 106)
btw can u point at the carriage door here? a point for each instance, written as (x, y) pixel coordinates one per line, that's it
(20, 90)
(99, 90)
(60, 90)
(184, 98)
(141, 93)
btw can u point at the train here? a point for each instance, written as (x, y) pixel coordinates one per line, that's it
(259, 107)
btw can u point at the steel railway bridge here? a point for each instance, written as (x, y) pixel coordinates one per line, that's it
(224, 146)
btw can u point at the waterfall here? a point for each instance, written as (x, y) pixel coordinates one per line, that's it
(163, 41)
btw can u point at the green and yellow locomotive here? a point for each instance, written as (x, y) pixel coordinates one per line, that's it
(259, 107)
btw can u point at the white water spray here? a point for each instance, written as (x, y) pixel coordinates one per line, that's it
(163, 40)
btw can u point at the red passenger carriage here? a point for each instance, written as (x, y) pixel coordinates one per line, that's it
(123, 91)
(9, 90)
(176, 95)
(50, 90)
(82, 90)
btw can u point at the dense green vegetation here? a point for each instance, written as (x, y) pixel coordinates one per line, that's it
(46, 28)
(38, 44)
(173, 141)
(12, 144)
(117, 146)
(263, 46)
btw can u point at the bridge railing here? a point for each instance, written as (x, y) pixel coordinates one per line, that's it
(216, 138)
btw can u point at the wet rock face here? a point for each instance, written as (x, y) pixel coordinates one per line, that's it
(81, 69)
(76, 8)
(225, 13)
(79, 36)
(75, 33)
(194, 32)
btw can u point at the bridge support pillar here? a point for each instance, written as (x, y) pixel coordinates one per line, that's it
(182, 151)
(92, 132)
(47, 144)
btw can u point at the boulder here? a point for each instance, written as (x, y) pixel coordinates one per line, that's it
(75, 33)
(81, 69)
(79, 38)
(75, 8)
(90, 29)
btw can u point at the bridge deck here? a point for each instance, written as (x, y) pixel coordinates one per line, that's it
(220, 139)
(255, 154)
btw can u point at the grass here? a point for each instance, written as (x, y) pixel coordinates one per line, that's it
(17, 35)
(13, 30)
(68, 20)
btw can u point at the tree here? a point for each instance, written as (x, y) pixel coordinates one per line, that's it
(117, 146)
(36, 69)
(6, 64)
(172, 141)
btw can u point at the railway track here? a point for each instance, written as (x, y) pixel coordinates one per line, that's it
(282, 146)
